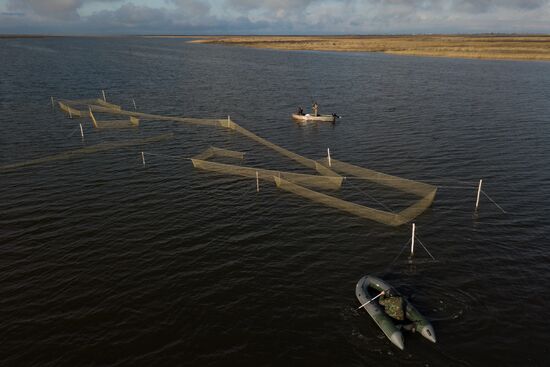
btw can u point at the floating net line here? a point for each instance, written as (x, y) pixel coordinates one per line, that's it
(113, 124)
(77, 153)
(201, 162)
(331, 175)
(72, 109)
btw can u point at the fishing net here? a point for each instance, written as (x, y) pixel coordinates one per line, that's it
(200, 161)
(381, 216)
(71, 112)
(77, 153)
(330, 175)
(83, 109)
(347, 206)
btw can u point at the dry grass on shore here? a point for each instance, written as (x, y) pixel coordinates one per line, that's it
(479, 46)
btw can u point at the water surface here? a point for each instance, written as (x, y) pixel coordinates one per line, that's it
(107, 262)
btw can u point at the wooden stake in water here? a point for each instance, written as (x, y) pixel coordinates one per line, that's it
(328, 157)
(70, 113)
(94, 121)
(412, 240)
(478, 192)
(104, 99)
(53, 105)
(257, 182)
(135, 107)
(81, 131)
(143, 158)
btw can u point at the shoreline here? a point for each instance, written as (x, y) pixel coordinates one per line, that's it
(514, 47)
(488, 47)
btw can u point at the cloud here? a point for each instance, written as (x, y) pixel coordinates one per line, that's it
(275, 11)
(276, 16)
(193, 7)
(62, 9)
(484, 6)
(133, 19)
(465, 5)
(56, 9)
(271, 5)
(129, 17)
(12, 14)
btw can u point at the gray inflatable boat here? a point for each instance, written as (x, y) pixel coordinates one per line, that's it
(368, 288)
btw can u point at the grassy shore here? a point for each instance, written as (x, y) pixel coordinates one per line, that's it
(517, 47)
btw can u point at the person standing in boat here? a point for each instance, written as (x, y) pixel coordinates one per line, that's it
(315, 109)
(393, 305)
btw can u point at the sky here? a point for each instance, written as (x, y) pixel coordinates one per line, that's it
(191, 17)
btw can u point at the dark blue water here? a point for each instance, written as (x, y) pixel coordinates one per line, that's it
(106, 262)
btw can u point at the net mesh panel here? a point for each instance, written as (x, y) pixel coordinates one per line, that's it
(149, 116)
(425, 191)
(353, 208)
(71, 154)
(310, 163)
(219, 152)
(329, 175)
(398, 183)
(380, 216)
(417, 208)
(117, 124)
(84, 103)
(69, 110)
(108, 105)
(200, 161)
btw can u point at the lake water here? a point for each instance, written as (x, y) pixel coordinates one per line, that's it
(106, 262)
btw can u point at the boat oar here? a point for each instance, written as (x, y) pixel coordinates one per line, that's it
(366, 303)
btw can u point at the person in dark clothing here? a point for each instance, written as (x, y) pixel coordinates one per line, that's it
(300, 111)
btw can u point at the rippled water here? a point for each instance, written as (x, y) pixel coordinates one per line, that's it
(107, 262)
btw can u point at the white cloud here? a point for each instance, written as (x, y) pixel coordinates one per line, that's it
(276, 16)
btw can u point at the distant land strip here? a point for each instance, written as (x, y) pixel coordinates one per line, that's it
(16, 36)
(495, 47)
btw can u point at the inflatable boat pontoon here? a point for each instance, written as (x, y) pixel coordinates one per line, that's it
(368, 288)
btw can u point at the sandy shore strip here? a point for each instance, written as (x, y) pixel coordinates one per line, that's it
(503, 47)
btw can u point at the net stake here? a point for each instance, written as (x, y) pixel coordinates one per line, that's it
(412, 240)
(103, 92)
(81, 131)
(143, 158)
(328, 157)
(478, 192)
(53, 106)
(135, 107)
(94, 122)
(257, 182)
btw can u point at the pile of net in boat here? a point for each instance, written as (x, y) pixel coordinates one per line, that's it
(331, 174)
